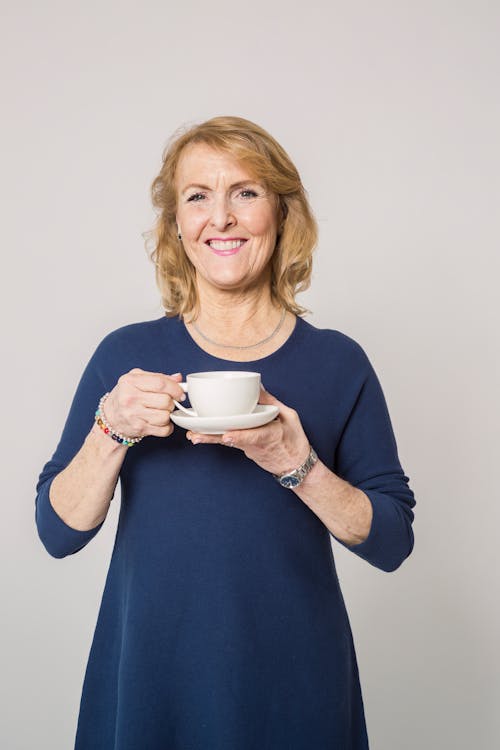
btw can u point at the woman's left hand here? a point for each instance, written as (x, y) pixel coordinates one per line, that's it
(278, 447)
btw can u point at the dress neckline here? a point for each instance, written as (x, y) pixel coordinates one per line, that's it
(237, 362)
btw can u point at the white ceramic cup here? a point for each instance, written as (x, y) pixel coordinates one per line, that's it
(224, 393)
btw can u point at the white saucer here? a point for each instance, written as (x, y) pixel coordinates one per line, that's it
(262, 414)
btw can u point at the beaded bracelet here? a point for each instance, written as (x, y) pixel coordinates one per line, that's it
(104, 425)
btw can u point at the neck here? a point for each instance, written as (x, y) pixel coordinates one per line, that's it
(241, 318)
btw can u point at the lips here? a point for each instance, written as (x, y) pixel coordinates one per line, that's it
(225, 246)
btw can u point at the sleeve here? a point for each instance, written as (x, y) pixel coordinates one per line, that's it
(58, 538)
(367, 458)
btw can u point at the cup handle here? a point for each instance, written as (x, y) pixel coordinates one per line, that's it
(191, 412)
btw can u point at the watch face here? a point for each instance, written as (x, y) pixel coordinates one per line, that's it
(289, 482)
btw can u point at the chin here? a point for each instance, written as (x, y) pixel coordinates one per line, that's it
(228, 280)
(229, 284)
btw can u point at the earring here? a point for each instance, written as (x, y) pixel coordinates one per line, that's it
(179, 236)
(179, 233)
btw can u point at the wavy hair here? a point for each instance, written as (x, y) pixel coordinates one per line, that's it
(268, 163)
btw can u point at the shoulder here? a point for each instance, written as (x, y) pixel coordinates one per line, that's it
(133, 339)
(334, 345)
(132, 332)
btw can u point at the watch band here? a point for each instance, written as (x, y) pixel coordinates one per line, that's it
(292, 479)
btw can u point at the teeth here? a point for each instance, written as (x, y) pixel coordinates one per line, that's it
(226, 244)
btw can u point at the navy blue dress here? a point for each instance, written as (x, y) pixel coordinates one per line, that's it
(222, 624)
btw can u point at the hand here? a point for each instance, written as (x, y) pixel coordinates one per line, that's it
(141, 402)
(277, 447)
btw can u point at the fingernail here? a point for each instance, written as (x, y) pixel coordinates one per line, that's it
(195, 441)
(183, 397)
(227, 440)
(175, 375)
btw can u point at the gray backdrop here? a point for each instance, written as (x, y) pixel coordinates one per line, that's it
(391, 112)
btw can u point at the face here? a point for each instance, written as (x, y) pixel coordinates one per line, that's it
(227, 220)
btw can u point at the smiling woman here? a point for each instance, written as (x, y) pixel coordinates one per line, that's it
(228, 231)
(229, 179)
(222, 623)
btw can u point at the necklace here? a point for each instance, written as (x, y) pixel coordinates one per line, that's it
(235, 346)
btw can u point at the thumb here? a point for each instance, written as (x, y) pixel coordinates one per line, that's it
(267, 398)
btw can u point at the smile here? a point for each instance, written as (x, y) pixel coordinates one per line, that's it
(225, 247)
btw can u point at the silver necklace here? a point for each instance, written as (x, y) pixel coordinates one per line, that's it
(235, 346)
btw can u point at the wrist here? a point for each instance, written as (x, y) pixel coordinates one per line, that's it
(295, 477)
(105, 426)
(314, 477)
(102, 443)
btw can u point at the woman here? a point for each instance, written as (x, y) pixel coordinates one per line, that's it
(222, 624)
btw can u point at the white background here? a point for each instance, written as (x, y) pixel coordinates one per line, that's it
(390, 111)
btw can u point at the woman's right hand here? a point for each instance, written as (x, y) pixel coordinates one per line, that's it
(141, 402)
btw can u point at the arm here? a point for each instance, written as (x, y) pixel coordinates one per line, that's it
(81, 494)
(282, 446)
(76, 486)
(364, 499)
(53, 511)
(345, 510)
(367, 458)
(367, 503)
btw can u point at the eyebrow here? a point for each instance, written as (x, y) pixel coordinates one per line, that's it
(205, 187)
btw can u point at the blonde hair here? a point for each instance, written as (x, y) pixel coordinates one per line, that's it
(268, 163)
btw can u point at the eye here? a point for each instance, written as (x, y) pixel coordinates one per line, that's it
(248, 193)
(195, 197)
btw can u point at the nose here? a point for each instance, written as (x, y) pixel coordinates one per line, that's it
(221, 215)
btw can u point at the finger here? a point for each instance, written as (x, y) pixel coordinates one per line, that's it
(228, 438)
(160, 431)
(156, 417)
(156, 401)
(158, 382)
(231, 438)
(198, 437)
(268, 399)
(137, 371)
(254, 436)
(245, 438)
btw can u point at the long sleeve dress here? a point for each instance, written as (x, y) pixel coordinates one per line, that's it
(222, 625)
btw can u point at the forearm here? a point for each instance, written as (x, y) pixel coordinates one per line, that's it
(82, 492)
(345, 510)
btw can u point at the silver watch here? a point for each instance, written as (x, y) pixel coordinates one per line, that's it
(292, 479)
